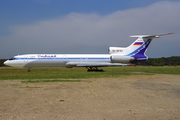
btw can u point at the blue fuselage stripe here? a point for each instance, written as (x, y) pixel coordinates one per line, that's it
(61, 58)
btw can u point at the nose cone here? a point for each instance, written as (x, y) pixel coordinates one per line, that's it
(14, 63)
(6, 63)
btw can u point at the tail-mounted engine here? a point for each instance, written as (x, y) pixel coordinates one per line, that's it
(121, 59)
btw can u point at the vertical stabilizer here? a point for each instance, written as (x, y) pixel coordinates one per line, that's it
(137, 49)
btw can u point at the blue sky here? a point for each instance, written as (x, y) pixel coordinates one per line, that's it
(29, 11)
(86, 26)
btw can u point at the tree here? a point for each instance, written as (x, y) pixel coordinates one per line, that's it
(2, 62)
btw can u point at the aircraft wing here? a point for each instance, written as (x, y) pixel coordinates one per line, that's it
(93, 64)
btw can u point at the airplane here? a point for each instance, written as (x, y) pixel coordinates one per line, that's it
(118, 56)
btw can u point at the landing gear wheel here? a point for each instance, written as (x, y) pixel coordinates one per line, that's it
(94, 69)
(29, 69)
(101, 70)
(89, 70)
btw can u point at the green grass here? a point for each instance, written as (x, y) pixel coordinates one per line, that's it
(10, 73)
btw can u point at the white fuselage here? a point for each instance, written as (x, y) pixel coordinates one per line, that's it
(55, 60)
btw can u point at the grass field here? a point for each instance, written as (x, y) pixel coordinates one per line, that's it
(10, 73)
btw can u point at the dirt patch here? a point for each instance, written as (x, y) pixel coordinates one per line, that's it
(128, 97)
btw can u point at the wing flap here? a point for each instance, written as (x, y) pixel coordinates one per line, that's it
(93, 64)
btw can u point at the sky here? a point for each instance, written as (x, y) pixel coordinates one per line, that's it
(87, 26)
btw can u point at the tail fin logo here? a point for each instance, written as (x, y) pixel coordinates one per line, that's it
(141, 50)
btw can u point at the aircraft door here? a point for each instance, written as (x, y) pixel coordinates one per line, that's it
(26, 58)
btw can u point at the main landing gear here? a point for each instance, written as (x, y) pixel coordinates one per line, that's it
(94, 69)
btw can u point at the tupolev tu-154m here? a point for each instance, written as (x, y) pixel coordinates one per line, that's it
(118, 56)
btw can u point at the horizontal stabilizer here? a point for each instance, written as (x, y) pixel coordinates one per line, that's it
(150, 36)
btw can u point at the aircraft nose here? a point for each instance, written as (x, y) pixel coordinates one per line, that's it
(6, 62)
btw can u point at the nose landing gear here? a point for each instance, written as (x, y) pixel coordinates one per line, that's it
(29, 69)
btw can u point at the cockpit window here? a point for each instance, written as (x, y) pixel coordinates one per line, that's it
(12, 58)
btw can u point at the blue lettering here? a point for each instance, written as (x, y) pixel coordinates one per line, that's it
(46, 56)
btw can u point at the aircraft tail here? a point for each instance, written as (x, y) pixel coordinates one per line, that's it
(137, 49)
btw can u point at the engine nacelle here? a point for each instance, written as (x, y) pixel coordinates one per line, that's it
(121, 59)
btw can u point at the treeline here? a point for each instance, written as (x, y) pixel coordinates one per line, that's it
(2, 61)
(171, 61)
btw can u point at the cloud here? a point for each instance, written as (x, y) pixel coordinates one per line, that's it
(94, 33)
